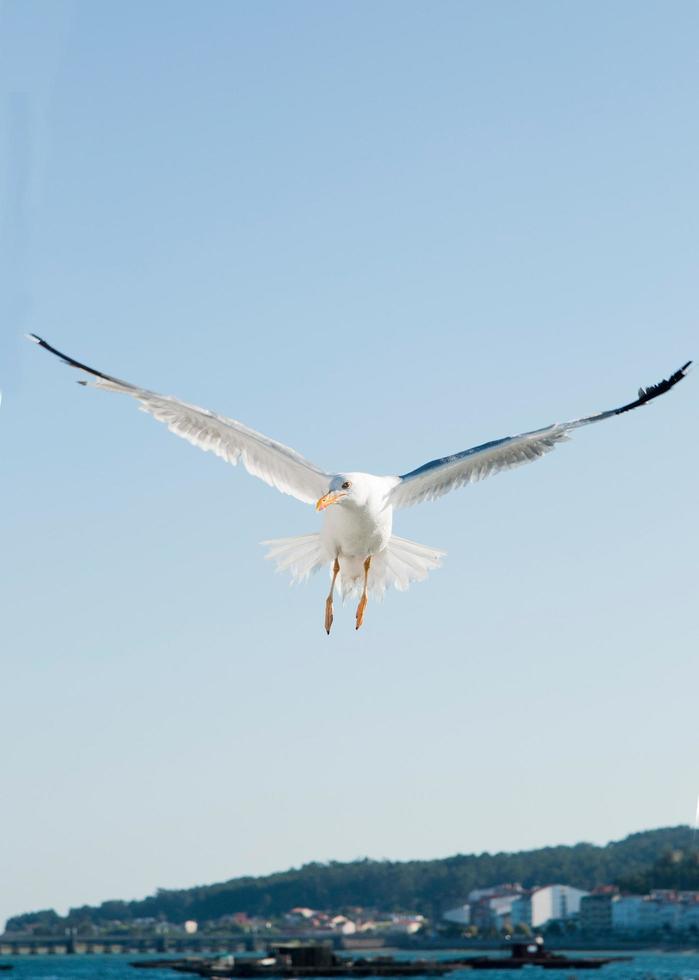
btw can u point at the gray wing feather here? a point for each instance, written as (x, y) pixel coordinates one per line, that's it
(271, 461)
(439, 476)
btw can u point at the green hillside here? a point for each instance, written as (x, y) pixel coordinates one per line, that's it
(422, 886)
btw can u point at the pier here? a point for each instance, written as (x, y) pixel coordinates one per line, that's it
(120, 945)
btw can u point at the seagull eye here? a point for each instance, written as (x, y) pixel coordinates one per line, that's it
(346, 485)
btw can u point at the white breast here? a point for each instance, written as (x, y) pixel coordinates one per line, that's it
(358, 531)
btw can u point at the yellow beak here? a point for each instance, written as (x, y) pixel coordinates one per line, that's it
(330, 498)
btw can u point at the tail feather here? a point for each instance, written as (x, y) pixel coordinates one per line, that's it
(401, 563)
(404, 562)
(300, 556)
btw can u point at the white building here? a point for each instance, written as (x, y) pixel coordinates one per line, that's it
(660, 911)
(510, 906)
(491, 908)
(343, 925)
(460, 915)
(551, 902)
(626, 913)
(407, 925)
(641, 913)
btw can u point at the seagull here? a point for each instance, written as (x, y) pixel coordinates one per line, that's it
(356, 539)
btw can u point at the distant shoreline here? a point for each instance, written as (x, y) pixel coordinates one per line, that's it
(16, 948)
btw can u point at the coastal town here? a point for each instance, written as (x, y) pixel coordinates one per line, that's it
(562, 908)
(563, 913)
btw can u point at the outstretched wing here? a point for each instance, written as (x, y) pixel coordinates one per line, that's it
(442, 475)
(271, 461)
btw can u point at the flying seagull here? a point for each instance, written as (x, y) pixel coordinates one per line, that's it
(356, 540)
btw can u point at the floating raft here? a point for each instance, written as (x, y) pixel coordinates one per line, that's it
(301, 961)
(274, 966)
(533, 954)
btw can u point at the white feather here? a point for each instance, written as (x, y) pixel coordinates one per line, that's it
(439, 476)
(271, 461)
(398, 565)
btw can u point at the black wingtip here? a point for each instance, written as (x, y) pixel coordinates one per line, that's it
(36, 339)
(70, 361)
(646, 395)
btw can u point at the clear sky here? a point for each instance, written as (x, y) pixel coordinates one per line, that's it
(380, 232)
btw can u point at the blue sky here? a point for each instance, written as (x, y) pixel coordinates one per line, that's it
(379, 232)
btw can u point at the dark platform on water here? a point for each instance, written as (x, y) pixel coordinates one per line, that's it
(532, 953)
(304, 961)
(320, 961)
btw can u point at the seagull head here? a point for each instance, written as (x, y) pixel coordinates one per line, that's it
(345, 489)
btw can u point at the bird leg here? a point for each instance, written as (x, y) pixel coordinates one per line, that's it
(329, 600)
(363, 601)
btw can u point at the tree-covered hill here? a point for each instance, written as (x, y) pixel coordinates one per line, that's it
(674, 869)
(422, 886)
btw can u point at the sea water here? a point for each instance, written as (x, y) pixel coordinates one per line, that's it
(645, 965)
